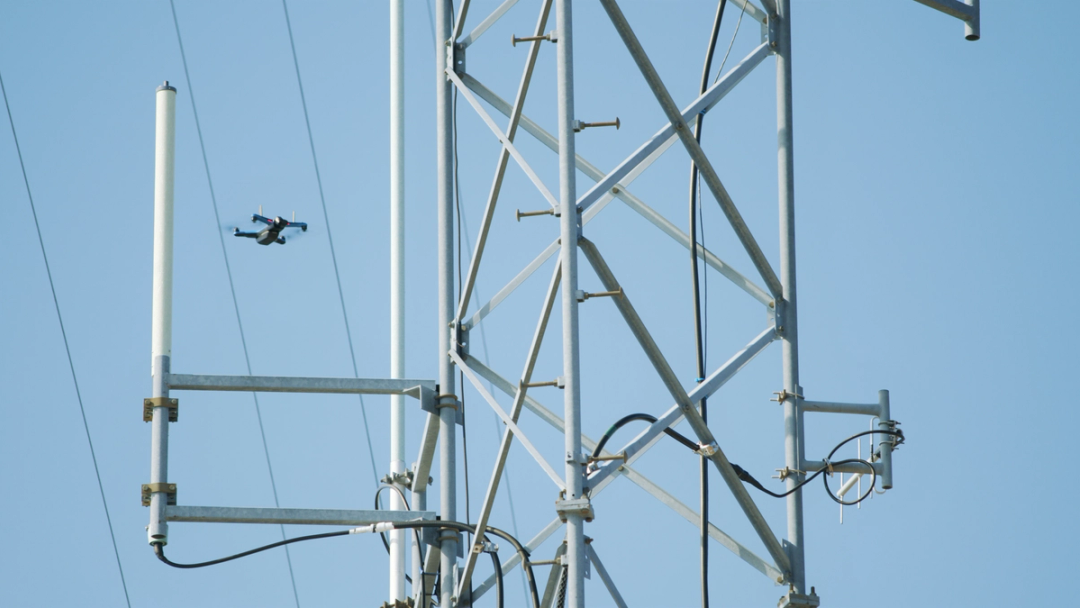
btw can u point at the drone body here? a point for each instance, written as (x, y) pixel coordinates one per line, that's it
(272, 232)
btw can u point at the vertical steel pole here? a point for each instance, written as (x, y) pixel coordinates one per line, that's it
(161, 331)
(793, 427)
(885, 442)
(447, 400)
(569, 231)
(397, 282)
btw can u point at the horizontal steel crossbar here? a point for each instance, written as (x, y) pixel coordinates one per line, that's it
(285, 384)
(866, 409)
(258, 515)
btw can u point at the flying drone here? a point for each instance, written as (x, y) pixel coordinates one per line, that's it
(272, 232)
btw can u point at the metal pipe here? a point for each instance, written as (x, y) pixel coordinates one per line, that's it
(397, 284)
(445, 212)
(286, 384)
(323, 517)
(788, 330)
(161, 330)
(570, 231)
(885, 442)
(813, 466)
(865, 409)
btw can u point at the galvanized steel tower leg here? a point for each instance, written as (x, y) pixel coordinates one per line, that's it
(793, 415)
(570, 228)
(447, 400)
(161, 332)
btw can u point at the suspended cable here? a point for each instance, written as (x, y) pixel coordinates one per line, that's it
(898, 438)
(703, 465)
(380, 527)
(67, 348)
(232, 289)
(329, 236)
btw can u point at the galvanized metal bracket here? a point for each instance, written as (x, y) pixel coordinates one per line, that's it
(148, 406)
(455, 57)
(783, 395)
(404, 480)
(770, 32)
(799, 600)
(579, 506)
(150, 488)
(408, 603)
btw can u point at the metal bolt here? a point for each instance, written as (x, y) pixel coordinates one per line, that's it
(520, 214)
(579, 126)
(529, 39)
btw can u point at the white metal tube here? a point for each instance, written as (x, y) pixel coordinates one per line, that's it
(161, 331)
(447, 401)
(569, 231)
(789, 334)
(397, 282)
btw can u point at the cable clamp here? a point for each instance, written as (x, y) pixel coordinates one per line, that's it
(446, 400)
(406, 603)
(485, 547)
(404, 480)
(707, 449)
(575, 506)
(148, 406)
(782, 395)
(150, 488)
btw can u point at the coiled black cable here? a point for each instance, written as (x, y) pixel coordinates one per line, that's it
(898, 434)
(745, 476)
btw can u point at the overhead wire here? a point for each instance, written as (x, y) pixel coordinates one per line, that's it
(329, 236)
(67, 347)
(232, 288)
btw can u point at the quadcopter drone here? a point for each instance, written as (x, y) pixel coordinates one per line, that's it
(272, 232)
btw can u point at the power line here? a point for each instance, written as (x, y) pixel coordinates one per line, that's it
(67, 348)
(232, 290)
(326, 218)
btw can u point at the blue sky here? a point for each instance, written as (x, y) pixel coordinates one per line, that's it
(936, 213)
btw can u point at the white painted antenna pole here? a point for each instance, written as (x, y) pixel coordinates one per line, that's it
(397, 282)
(161, 332)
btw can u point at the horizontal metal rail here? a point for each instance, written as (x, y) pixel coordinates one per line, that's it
(286, 384)
(866, 409)
(813, 466)
(258, 515)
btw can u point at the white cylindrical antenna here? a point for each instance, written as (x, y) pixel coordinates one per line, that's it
(161, 331)
(397, 286)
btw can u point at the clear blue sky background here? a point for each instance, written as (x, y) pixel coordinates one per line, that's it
(936, 204)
